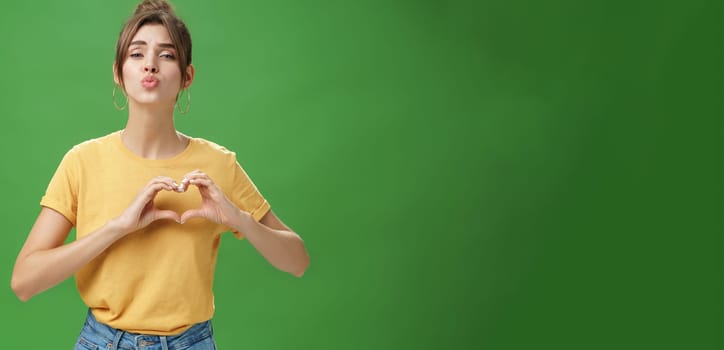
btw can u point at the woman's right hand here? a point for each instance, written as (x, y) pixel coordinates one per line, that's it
(141, 212)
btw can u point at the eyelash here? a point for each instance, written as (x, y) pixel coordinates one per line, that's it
(165, 55)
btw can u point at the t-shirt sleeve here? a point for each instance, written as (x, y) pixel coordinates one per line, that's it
(62, 192)
(246, 196)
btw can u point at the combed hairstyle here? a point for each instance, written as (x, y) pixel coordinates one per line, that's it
(155, 12)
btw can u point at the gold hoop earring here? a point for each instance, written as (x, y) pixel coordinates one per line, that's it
(188, 101)
(115, 104)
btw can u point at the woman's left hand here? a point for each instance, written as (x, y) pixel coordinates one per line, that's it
(214, 204)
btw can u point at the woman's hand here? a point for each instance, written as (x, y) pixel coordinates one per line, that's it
(141, 212)
(275, 241)
(214, 204)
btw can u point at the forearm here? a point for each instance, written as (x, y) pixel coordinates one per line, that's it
(281, 248)
(44, 269)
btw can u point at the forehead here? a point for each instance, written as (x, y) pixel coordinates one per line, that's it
(152, 34)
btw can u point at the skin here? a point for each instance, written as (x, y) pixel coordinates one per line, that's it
(44, 261)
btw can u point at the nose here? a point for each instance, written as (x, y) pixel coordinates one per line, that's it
(150, 67)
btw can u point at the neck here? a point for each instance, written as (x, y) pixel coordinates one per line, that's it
(150, 132)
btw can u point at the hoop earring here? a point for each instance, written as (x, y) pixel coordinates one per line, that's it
(188, 101)
(115, 104)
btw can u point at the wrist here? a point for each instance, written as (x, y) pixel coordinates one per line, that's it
(116, 228)
(239, 220)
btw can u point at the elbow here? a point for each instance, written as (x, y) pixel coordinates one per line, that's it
(22, 293)
(299, 271)
(23, 297)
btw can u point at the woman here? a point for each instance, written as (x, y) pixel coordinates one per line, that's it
(144, 259)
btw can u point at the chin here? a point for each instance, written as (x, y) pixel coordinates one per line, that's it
(154, 101)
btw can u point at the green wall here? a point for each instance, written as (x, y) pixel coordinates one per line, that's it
(465, 174)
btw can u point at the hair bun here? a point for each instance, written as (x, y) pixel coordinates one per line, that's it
(154, 5)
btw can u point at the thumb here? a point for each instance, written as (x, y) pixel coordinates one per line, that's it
(189, 214)
(167, 214)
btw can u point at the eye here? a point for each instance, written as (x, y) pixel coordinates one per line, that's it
(167, 55)
(135, 55)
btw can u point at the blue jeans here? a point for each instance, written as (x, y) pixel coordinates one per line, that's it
(99, 336)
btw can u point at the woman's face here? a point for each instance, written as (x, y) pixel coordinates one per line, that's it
(151, 72)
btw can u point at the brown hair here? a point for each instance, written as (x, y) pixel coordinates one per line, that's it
(155, 12)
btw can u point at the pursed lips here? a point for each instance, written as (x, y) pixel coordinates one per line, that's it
(149, 82)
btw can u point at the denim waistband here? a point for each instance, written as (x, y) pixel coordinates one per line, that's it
(120, 339)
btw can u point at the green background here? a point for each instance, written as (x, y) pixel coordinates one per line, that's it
(465, 174)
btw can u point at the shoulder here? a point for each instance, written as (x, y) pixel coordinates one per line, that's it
(216, 160)
(210, 148)
(95, 144)
(91, 148)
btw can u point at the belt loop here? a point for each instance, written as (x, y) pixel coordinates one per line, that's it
(164, 344)
(117, 340)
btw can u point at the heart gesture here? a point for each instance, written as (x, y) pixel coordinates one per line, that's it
(142, 211)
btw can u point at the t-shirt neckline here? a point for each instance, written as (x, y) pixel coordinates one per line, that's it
(157, 162)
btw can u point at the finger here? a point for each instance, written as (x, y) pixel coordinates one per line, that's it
(184, 185)
(201, 182)
(154, 188)
(209, 190)
(193, 173)
(161, 179)
(181, 187)
(190, 214)
(197, 175)
(167, 214)
(149, 192)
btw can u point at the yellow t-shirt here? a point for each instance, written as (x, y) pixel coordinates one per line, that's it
(157, 280)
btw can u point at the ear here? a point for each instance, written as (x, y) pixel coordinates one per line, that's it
(189, 76)
(115, 76)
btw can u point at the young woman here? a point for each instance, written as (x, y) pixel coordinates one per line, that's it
(149, 205)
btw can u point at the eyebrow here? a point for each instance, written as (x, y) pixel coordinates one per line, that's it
(141, 42)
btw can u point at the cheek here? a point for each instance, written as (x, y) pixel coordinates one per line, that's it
(173, 74)
(173, 69)
(127, 72)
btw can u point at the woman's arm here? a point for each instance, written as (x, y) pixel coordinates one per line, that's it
(276, 242)
(279, 245)
(44, 261)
